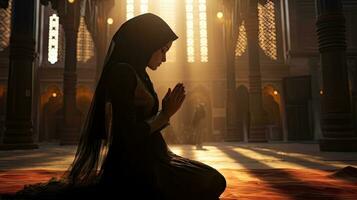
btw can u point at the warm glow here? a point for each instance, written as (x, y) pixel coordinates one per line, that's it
(110, 21)
(203, 31)
(144, 6)
(168, 12)
(54, 94)
(71, 1)
(129, 9)
(267, 29)
(85, 44)
(321, 92)
(190, 32)
(276, 92)
(219, 15)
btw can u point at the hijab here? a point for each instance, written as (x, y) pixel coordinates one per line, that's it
(134, 43)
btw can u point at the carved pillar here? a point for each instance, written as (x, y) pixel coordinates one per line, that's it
(19, 125)
(230, 27)
(257, 127)
(336, 120)
(71, 115)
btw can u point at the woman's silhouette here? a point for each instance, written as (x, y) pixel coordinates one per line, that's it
(137, 164)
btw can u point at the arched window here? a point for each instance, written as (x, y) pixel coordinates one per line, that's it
(5, 26)
(267, 31)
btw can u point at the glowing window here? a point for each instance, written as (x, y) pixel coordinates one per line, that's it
(5, 26)
(242, 40)
(267, 31)
(85, 43)
(196, 30)
(190, 43)
(129, 9)
(203, 31)
(53, 34)
(168, 13)
(144, 6)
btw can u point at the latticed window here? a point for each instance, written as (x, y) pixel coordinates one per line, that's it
(267, 31)
(5, 26)
(53, 38)
(196, 30)
(242, 40)
(85, 45)
(56, 41)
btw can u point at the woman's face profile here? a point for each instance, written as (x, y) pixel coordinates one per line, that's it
(159, 56)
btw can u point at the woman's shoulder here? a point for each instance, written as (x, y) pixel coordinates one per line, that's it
(122, 72)
(123, 68)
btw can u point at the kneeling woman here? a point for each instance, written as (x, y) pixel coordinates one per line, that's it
(137, 162)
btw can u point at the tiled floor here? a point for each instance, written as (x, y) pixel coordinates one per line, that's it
(253, 171)
(218, 155)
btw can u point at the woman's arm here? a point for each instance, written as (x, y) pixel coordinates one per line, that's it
(122, 83)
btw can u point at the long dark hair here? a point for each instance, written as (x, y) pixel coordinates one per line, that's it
(133, 43)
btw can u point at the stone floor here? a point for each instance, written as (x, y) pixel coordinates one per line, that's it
(218, 155)
(253, 171)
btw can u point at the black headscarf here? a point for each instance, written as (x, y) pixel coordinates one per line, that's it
(134, 43)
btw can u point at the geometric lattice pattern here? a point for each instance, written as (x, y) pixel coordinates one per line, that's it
(53, 34)
(196, 30)
(266, 33)
(85, 45)
(190, 36)
(267, 29)
(242, 40)
(203, 30)
(5, 26)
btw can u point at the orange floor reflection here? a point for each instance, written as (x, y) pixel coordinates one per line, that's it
(253, 171)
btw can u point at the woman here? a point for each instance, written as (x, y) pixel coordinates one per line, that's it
(137, 163)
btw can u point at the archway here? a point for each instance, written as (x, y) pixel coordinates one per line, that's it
(51, 103)
(272, 104)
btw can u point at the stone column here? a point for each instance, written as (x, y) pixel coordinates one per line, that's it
(315, 96)
(336, 120)
(257, 127)
(71, 115)
(229, 36)
(18, 123)
(352, 71)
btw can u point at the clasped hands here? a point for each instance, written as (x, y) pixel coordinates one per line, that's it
(173, 100)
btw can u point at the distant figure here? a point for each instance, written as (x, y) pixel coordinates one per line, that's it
(197, 120)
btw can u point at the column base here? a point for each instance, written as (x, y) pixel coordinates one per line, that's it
(257, 134)
(338, 144)
(7, 147)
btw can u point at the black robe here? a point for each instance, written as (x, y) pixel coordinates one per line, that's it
(140, 160)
